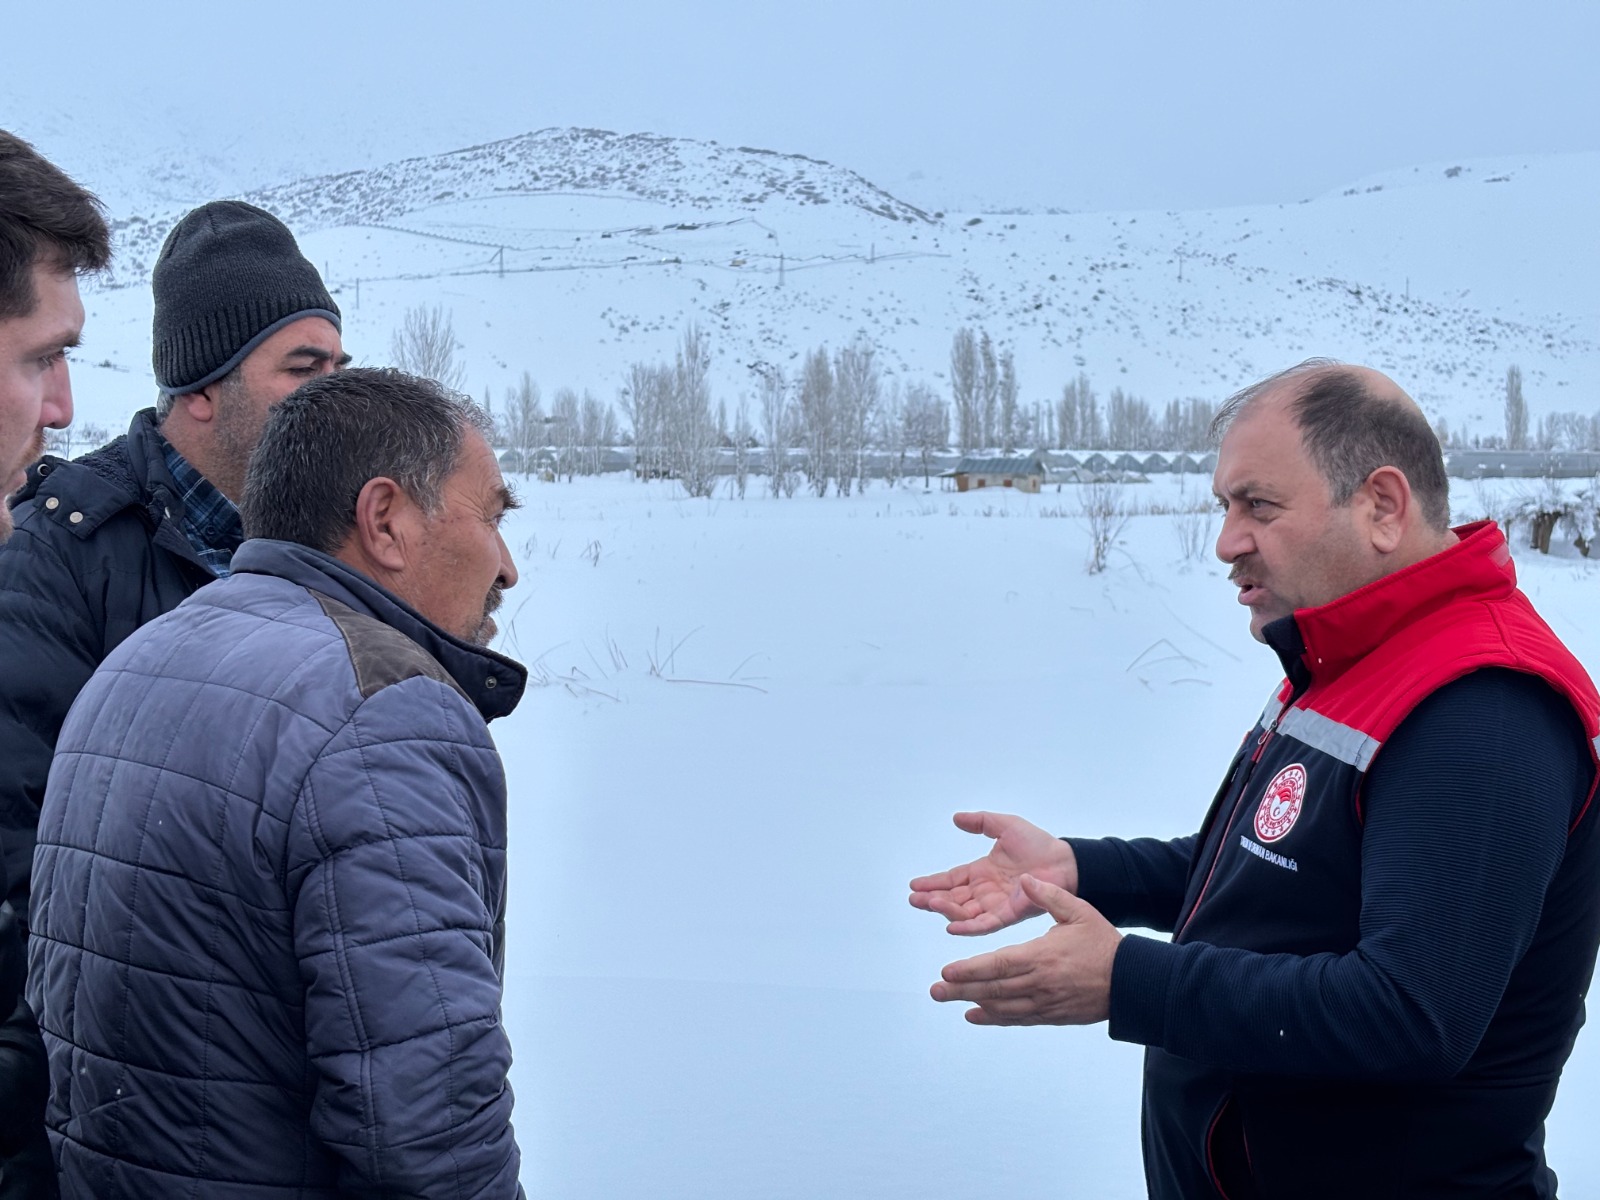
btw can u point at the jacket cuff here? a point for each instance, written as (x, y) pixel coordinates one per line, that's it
(1141, 981)
(1100, 869)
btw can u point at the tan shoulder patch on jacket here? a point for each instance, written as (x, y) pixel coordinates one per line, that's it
(381, 655)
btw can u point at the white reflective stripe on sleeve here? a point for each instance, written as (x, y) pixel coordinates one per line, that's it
(1329, 736)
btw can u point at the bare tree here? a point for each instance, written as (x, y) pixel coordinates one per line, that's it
(964, 388)
(1129, 423)
(644, 403)
(891, 435)
(1067, 418)
(599, 432)
(776, 422)
(691, 430)
(1568, 431)
(1078, 423)
(1186, 424)
(989, 384)
(62, 442)
(1516, 411)
(1091, 430)
(425, 344)
(743, 436)
(522, 425)
(1008, 403)
(565, 431)
(818, 421)
(927, 425)
(858, 388)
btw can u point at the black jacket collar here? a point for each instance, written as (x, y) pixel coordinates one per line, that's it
(129, 472)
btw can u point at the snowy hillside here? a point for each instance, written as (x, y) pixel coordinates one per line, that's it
(674, 172)
(572, 253)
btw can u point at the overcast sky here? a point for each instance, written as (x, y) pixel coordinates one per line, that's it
(1107, 105)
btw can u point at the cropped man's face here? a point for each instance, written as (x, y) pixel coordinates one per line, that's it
(1288, 544)
(300, 351)
(35, 393)
(464, 565)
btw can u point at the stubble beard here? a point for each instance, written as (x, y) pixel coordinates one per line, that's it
(33, 454)
(484, 633)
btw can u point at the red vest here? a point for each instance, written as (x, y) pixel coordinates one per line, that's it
(1278, 870)
(1378, 652)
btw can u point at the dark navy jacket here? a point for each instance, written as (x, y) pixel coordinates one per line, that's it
(98, 551)
(26, 1170)
(1381, 943)
(270, 888)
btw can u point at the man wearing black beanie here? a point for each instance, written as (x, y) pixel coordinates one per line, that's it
(114, 539)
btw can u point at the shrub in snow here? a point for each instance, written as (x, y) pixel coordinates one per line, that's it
(1192, 527)
(1104, 513)
(1582, 522)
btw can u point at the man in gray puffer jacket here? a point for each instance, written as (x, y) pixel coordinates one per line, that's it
(270, 879)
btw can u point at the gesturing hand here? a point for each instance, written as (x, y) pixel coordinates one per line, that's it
(1062, 978)
(986, 894)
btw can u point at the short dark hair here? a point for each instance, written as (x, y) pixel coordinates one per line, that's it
(44, 217)
(1350, 431)
(328, 437)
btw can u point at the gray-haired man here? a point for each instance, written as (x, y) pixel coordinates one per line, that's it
(272, 856)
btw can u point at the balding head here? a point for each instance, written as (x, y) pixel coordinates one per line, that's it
(1352, 421)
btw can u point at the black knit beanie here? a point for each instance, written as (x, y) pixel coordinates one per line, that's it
(228, 276)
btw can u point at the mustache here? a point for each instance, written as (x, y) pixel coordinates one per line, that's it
(493, 601)
(484, 633)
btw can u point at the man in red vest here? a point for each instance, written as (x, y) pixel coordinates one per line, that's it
(1383, 932)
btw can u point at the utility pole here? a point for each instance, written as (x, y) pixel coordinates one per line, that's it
(780, 268)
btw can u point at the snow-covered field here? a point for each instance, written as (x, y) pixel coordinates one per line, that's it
(755, 720)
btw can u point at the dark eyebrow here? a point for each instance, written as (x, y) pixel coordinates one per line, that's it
(508, 498)
(1248, 487)
(65, 340)
(315, 353)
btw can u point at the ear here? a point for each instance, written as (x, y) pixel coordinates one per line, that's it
(1392, 509)
(385, 524)
(197, 406)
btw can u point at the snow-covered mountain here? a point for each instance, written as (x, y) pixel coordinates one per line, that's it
(674, 172)
(571, 253)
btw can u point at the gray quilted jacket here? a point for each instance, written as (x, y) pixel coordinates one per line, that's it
(268, 901)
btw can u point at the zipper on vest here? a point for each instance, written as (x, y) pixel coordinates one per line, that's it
(1238, 800)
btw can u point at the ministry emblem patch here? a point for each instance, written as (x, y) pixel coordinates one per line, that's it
(1280, 807)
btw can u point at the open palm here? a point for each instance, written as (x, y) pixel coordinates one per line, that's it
(986, 894)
